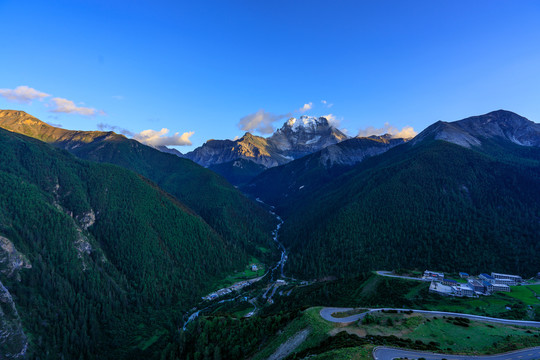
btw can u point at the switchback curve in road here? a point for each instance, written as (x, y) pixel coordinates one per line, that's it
(326, 314)
(388, 353)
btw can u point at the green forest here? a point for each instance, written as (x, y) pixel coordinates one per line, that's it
(151, 257)
(436, 205)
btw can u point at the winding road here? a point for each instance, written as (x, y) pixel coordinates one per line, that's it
(389, 274)
(387, 353)
(326, 314)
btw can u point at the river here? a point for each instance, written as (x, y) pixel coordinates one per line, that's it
(272, 279)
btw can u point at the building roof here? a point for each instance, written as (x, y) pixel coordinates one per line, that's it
(499, 274)
(487, 276)
(475, 283)
(486, 283)
(464, 273)
(450, 280)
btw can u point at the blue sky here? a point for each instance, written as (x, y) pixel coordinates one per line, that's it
(200, 67)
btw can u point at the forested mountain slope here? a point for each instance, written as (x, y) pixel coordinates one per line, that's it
(284, 186)
(236, 218)
(100, 262)
(430, 203)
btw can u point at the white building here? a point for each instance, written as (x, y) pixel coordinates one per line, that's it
(501, 287)
(506, 279)
(463, 290)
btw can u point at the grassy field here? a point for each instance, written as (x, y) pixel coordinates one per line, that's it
(527, 294)
(246, 274)
(311, 319)
(357, 353)
(451, 335)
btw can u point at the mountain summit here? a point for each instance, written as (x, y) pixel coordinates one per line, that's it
(296, 138)
(303, 136)
(472, 131)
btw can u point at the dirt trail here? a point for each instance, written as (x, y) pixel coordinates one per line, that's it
(288, 346)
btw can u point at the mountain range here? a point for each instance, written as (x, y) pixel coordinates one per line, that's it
(209, 195)
(105, 242)
(436, 201)
(237, 160)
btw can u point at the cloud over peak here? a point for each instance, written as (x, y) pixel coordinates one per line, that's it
(23, 94)
(159, 138)
(61, 105)
(405, 132)
(260, 121)
(306, 107)
(332, 120)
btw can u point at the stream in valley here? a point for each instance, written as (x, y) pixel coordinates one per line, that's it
(274, 276)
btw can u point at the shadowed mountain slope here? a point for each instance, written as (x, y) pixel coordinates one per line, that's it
(99, 259)
(229, 212)
(428, 203)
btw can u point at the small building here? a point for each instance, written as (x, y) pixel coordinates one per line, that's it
(508, 282)
(488, 286)
(463, 290)
(476, 286)
(464, 275)
(254, 267)
(487, 278)
(449, 282)
(501, 287)
(515, 278)
(440, 289)
(538, 275)
(433, 275)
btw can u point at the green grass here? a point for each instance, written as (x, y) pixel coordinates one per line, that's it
(477, 338)
(525, 294)
(311, 319)
(357, 353)
(238, 276)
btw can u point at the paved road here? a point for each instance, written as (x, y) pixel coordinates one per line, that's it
(326, 313)
(389, 274)
(386, 353)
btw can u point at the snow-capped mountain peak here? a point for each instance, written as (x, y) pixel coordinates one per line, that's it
(306, 123)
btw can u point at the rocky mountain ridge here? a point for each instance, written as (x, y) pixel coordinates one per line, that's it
(500, 124)
(296, 138)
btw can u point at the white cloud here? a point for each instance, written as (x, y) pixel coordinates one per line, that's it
(325, 103)
(260, 121)
(405, 132)
(23, 94)
(158, 138)
(306, 107)
(332, 120)
(61, 105)
(117, 129)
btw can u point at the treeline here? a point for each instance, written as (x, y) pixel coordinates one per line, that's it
(436, 206)
(150, 259)
(226, 337)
